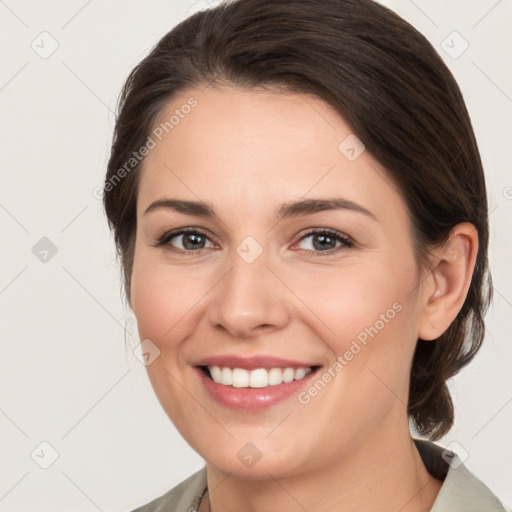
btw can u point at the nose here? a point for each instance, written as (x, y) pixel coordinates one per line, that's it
(250, 299)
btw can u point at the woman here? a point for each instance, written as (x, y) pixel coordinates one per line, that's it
(299, 205)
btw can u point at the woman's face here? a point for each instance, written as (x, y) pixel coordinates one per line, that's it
(258, 284)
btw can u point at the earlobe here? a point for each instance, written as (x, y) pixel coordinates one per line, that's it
(450, 277)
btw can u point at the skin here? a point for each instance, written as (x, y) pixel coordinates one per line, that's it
(245, 152)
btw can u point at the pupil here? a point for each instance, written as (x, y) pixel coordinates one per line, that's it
(188, 238)
(323, 239)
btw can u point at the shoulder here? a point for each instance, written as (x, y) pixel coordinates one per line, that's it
(461, 491)
(184, 497)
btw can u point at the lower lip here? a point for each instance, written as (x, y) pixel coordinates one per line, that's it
(253, 399)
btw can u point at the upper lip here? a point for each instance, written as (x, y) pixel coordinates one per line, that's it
(251, 363)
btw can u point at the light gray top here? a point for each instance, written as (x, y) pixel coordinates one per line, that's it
(461, 490)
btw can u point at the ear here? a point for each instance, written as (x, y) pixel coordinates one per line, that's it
(447, 283)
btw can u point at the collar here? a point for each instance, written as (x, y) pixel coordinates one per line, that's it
(461, 490)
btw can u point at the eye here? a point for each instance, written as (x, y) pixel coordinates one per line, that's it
(325, 241)
(190, 239)
(322, 241)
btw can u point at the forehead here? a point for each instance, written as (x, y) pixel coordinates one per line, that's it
(247, 148)
(235, 124)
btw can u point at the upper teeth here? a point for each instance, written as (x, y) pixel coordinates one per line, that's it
(259, 378)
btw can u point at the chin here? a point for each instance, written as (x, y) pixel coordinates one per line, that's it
(253, 461)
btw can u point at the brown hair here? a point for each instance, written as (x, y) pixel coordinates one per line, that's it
(387, 81)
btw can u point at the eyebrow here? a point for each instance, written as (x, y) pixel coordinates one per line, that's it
(285, 210)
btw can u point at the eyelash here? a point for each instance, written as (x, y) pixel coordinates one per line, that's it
(164, 240)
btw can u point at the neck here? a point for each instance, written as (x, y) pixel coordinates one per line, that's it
(381, 474)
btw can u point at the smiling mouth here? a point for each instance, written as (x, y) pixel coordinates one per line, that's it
(257, 378)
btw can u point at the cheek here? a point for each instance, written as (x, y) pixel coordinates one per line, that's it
(165, 300)
(165, 303)
(359, 302)
(150, 302)
(371, 314)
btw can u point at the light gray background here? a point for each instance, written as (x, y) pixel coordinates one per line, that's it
(66, 377)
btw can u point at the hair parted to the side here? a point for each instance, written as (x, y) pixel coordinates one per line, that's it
(386, 80)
